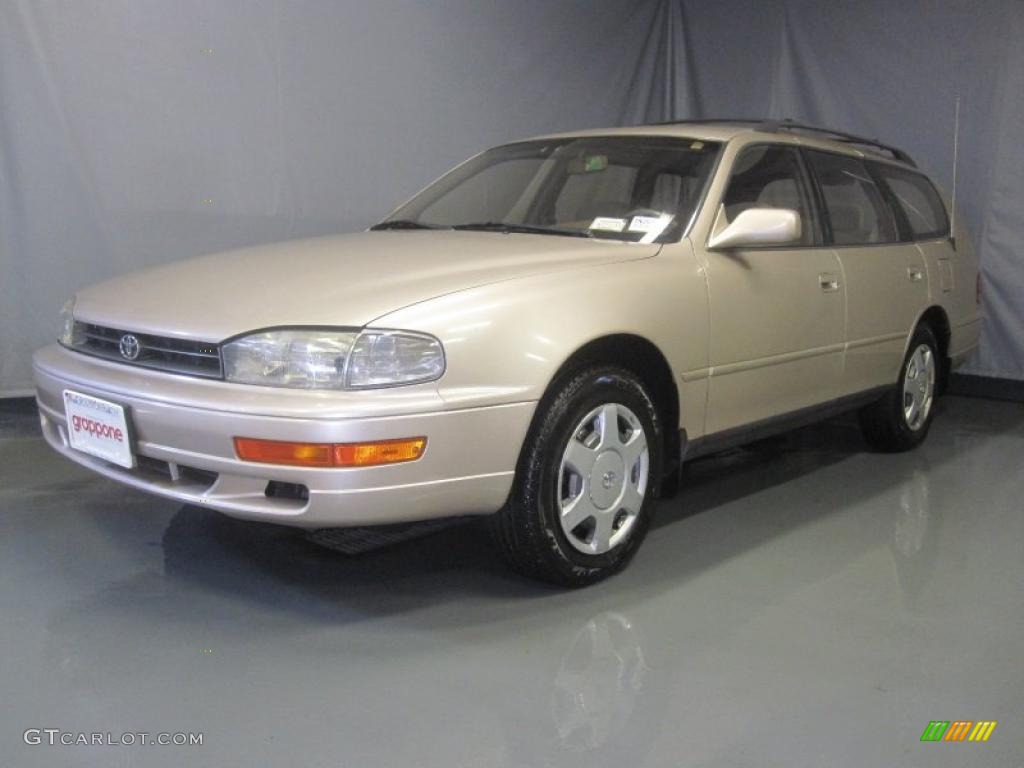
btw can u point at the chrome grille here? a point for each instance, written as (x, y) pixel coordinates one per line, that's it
(163, 353)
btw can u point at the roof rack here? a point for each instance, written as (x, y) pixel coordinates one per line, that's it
(774, 126)
(755, 121)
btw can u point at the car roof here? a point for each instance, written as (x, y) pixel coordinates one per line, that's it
(701, 131)
(785, 131)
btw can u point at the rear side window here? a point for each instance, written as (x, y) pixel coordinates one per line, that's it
(918, 201)
(857, 210)
(767, 176)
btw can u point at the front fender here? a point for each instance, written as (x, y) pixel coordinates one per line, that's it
(504, 342)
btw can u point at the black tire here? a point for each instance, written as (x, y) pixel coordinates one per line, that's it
(528, 529)
(884, 423)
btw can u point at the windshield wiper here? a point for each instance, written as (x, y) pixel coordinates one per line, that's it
(401, 224)
(500, 226)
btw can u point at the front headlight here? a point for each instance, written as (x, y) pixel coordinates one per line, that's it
(303, 359)
(332, 359)
(66, 331)
(386, 358)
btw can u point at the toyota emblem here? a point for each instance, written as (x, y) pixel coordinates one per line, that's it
(129, 347)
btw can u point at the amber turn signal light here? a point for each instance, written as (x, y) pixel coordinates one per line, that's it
(330, 454)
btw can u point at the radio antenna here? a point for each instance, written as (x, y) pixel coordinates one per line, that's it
(956, 147)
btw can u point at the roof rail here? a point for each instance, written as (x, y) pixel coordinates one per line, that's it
(755, 121)
(774, 126)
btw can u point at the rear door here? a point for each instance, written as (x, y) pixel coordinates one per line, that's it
(777, 314)
(925, 222)
(886, 279)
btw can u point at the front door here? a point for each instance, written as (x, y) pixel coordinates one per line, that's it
(777, 314)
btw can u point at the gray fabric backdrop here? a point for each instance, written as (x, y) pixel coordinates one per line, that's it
(138, 131)
(886, 70)
(306, 118)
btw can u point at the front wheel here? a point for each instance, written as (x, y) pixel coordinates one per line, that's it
(900, 421)
(581, 501)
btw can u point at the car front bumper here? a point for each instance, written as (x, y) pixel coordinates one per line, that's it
(183, 430)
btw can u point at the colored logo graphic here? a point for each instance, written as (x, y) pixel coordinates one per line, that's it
(959, 730)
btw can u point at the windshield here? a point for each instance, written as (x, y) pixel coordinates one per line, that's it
(633, 188)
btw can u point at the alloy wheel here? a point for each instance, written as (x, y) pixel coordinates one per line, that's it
(919, 387)
(603, 478)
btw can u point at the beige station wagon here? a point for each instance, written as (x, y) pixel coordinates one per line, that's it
(542, 336)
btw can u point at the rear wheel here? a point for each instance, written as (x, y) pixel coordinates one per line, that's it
(900, 421)
(581, 502)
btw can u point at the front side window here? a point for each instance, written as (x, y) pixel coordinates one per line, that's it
(641, 189)
(856, 208)
(770, 176)
(919, 202)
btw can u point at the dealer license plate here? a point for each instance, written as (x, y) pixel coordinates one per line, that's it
(98, 427)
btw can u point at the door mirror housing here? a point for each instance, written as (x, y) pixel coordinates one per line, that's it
(758, 227)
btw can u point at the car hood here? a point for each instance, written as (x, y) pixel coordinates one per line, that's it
(344, 280)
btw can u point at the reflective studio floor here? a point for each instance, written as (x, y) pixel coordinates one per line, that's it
(801, 603)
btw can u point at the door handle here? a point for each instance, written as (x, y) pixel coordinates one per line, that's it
(829, 282)
(915, 274)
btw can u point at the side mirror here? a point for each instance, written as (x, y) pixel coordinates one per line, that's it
(759, 226)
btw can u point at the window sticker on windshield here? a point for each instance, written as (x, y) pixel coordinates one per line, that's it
(650, 226)
(697, 145)
(608, 224)
(593, 163)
